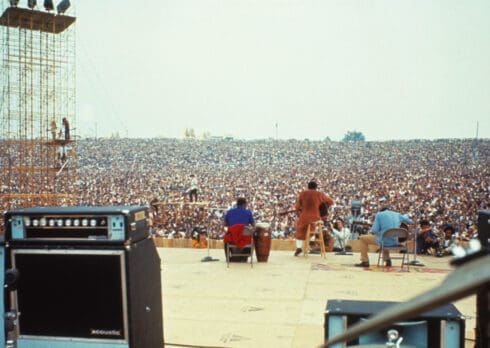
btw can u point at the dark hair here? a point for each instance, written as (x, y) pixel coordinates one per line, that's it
(312, 185)
(424, 223)
(449, 227)
(241, 201)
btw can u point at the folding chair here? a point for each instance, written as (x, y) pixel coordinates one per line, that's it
(240, 244)
(400, 233)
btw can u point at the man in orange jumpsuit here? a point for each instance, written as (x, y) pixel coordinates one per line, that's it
(308, 207)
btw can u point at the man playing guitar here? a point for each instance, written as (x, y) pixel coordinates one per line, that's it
(308, 206)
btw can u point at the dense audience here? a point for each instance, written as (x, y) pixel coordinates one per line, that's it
(442, 181)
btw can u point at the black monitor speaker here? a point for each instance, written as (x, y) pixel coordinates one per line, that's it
(484, 228)
(483, 295)
(442, 327)
(91, 295)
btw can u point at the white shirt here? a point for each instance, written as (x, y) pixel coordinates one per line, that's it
(341, 235)
(194, 184)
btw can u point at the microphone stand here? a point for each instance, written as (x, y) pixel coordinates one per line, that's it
(415, 262)
(208, 258)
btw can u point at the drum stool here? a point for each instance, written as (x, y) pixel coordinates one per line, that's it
(314, 229)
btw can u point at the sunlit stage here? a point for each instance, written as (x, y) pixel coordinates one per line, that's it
(280, 303)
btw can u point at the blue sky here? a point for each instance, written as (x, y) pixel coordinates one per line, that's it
(390, 69)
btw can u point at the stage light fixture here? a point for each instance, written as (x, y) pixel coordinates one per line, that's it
(84, 222)
(31, 4)
(48, 5)
(93, 222)
(76, 222)
(35, 222)
(27, 222)
(68, 222)
(52, 222)
(43, 222)
(63, 6)
(60, 222)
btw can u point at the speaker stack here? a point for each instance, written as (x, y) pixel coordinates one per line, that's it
(81, 277)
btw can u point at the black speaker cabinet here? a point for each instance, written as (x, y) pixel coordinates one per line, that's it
(483, 295)
(442, 327)
(484, 228)
(88, 296)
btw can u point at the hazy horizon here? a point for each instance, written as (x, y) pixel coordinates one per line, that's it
(219, 137)
(391, 70)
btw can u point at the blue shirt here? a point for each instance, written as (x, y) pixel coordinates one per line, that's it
(239, 215)
(386, 220)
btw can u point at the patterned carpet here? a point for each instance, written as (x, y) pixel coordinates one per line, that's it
(374, 268)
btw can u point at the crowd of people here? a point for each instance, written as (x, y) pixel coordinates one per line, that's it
(444, 181)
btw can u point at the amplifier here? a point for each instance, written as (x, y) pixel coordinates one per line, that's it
(91, 296)
(442, 327)
(77, 224)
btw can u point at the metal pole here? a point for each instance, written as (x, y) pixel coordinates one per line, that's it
(208, 258)
(415, 262)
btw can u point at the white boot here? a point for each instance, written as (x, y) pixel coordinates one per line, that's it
(299, 246)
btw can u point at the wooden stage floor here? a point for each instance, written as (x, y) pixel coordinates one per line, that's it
(280, 303)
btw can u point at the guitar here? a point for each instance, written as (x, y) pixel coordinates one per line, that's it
(323, 209)
(282, 213)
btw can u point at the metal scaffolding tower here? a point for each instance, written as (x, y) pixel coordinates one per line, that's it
(38, 157)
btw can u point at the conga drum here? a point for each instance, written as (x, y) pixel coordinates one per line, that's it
(262, 241)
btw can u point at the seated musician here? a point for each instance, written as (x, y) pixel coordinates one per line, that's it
(237, 221)
(385, 219)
